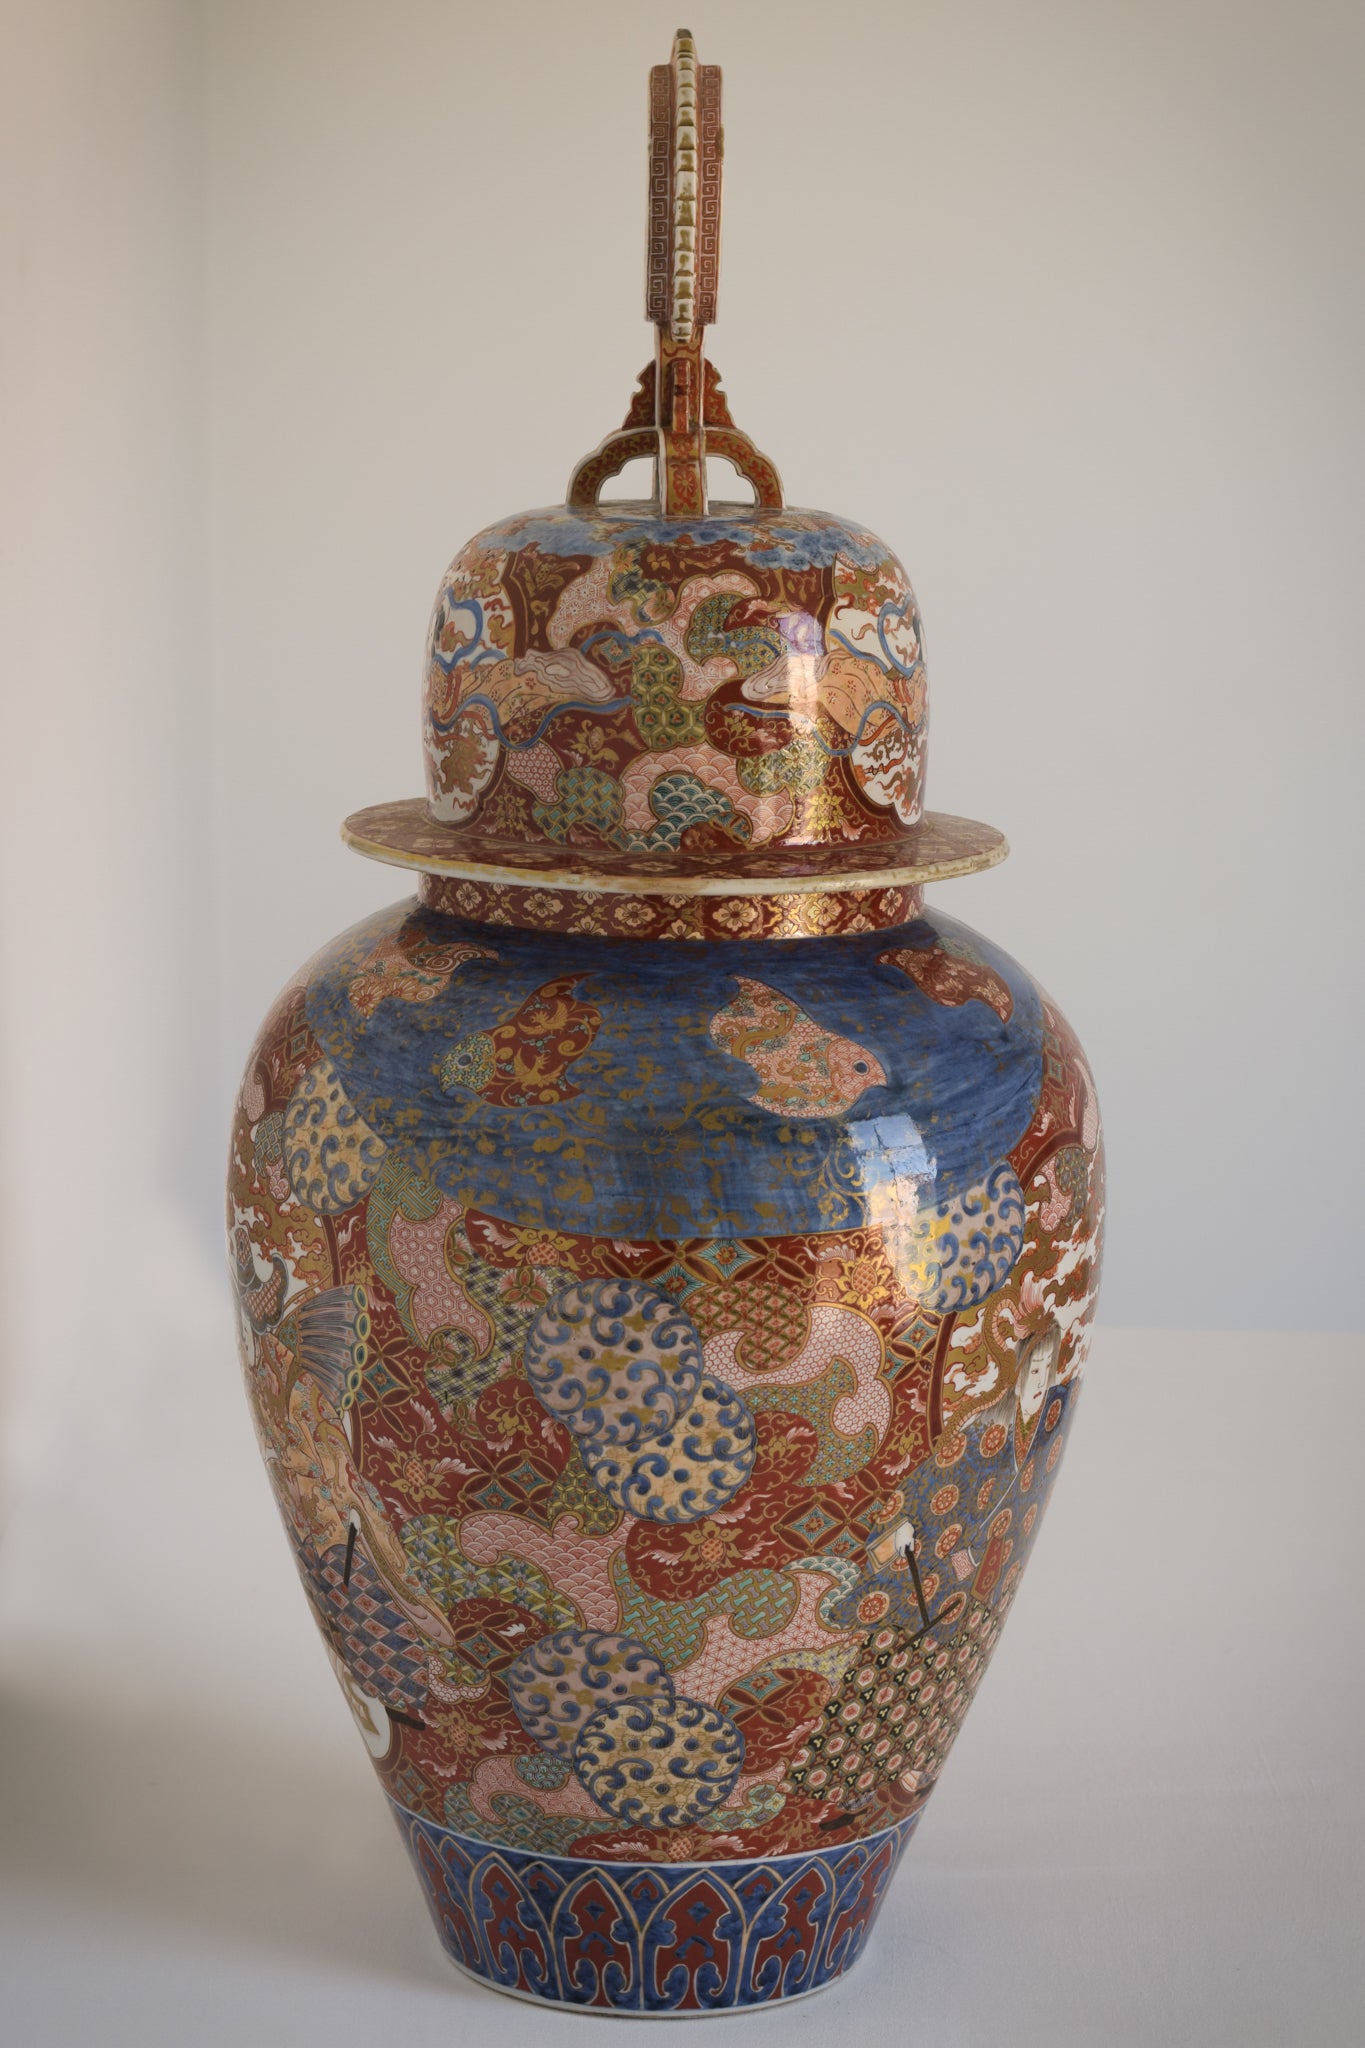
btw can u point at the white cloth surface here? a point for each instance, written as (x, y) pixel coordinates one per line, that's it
(1150, 1829)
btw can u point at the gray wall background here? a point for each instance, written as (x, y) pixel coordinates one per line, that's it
(1065, 300)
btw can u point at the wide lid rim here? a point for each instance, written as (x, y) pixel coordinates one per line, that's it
(939, 848)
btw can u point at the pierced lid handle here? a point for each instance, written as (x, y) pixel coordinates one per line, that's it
(679, 414)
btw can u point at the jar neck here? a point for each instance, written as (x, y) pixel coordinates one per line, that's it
(605, 914)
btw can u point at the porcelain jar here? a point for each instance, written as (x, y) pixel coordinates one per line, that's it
(664, 1247)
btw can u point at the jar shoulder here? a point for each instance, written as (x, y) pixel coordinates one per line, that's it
(611, 1085)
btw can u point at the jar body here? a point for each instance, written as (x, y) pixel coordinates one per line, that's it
(662, 1354)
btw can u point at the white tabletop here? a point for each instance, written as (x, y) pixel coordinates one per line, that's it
(1150, 1831)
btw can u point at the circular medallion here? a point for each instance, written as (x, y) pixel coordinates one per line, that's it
(684, 1472)
(614, 1361)
(559, 1683)
(660, 1763)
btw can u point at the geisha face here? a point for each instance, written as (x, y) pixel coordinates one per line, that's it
(1035, 1373)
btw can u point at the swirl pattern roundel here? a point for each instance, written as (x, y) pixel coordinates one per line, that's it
(614, 1360)
(684, 1472)
(648, 1762)
(560, 1682)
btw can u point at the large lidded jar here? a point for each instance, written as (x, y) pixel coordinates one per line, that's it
(664, 1249)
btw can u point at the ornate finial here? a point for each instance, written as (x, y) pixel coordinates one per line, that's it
(686, 158)
(679, 415)
(686, 145)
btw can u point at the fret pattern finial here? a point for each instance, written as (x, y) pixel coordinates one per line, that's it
(678, 414)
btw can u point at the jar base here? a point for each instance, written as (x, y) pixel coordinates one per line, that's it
(652, 1940)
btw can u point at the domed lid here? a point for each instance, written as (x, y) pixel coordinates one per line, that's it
(713, 715)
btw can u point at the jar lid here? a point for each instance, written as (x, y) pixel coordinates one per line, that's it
(680, 702)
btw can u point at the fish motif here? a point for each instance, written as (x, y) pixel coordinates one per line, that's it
(522, 1063)
(410, 967)
(949, 979)
(803, 1070)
